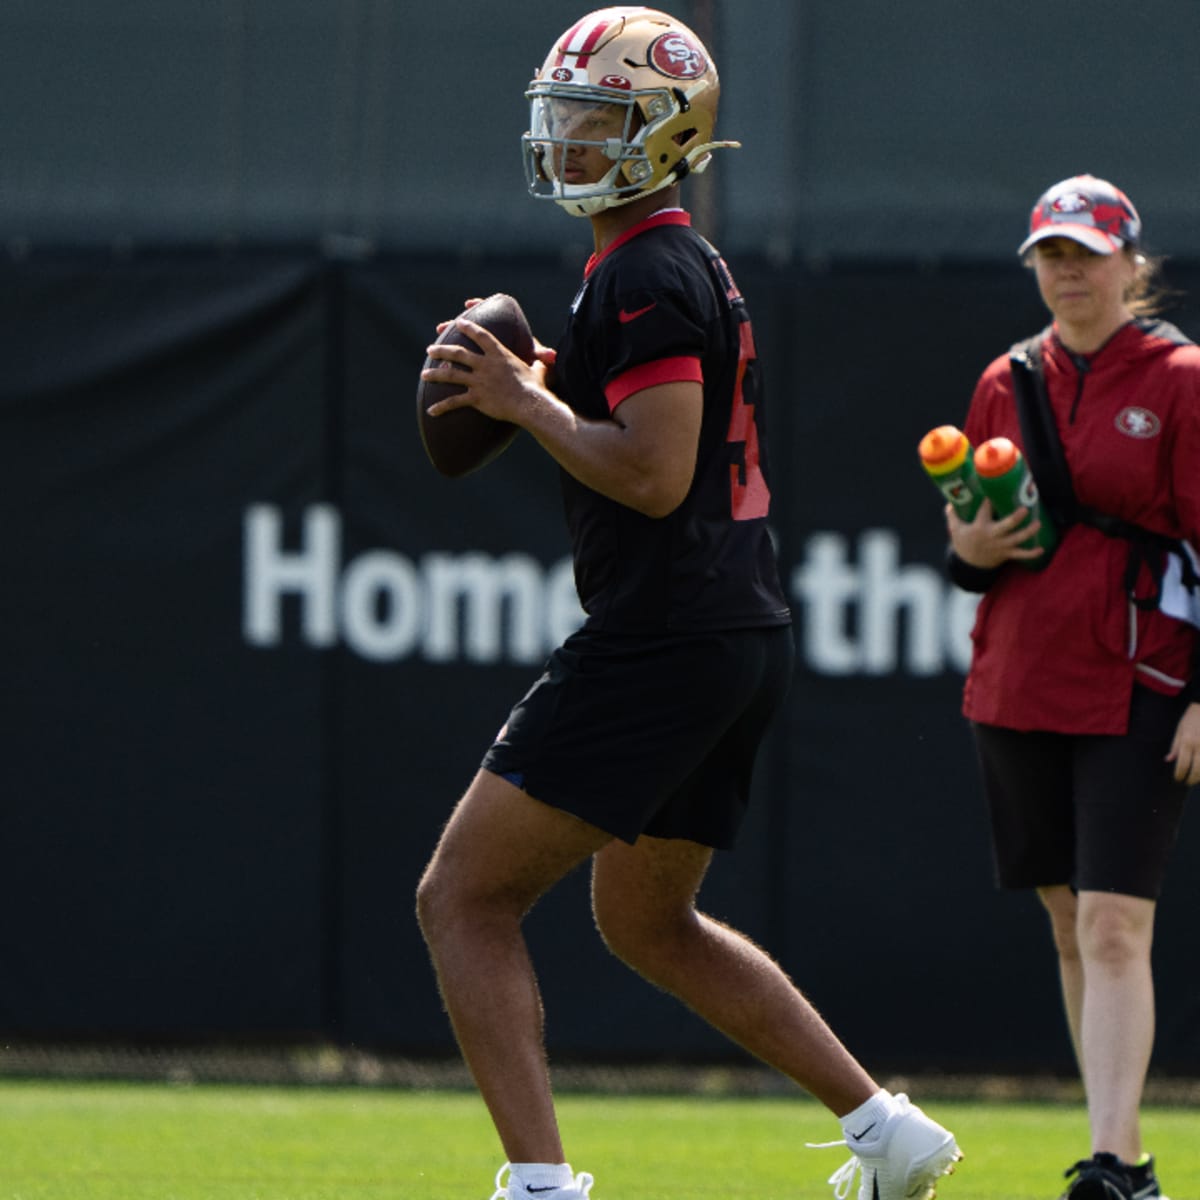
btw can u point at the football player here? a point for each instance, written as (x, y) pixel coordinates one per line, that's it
(635, 747)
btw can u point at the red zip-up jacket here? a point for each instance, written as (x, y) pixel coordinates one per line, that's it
(1059, 649)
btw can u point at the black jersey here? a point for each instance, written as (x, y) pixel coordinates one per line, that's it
(658, 305)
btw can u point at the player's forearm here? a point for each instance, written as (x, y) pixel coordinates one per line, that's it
(602, 455)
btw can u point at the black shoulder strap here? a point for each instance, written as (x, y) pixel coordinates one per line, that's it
(1048, 464)
(1154, 327)
(1039, 433)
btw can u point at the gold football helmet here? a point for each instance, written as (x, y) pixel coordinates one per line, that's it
(635, 84)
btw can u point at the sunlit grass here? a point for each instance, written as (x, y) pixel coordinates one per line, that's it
(72, 1141)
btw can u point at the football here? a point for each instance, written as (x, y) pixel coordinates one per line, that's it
(464, 440)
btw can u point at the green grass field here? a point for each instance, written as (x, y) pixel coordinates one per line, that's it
(80, 1141)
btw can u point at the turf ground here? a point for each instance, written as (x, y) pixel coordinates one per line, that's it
(94, 1141)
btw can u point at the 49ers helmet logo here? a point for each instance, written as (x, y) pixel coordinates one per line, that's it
(677, 56)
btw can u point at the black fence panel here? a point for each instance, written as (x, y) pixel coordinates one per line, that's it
(160, 777)
(255, 647)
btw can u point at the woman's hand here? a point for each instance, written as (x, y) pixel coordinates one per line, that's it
(987, 542)
(1185, 749)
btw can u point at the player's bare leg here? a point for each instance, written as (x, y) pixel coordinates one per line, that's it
(499, 853)
(644, 900)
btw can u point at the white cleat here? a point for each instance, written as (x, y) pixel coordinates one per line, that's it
(905, 1160)
(577, 1189)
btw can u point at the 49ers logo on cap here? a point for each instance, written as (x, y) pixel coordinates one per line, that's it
(1071, 202)
(677, 56)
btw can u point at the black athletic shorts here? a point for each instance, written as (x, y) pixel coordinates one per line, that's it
(1096, 813)
(654, 735)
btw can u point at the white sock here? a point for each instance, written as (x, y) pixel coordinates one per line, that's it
(865, 1123)
(542, 1175)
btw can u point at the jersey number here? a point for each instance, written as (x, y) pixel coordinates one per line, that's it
(748, 492)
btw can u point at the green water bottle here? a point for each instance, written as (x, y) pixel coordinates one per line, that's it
(948, 461)
(1007, 481)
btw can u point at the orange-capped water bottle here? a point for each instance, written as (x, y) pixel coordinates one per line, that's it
(948, 461)
(1006, 480)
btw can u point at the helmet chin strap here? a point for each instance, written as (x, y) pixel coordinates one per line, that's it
(693, 163)
(588, 206)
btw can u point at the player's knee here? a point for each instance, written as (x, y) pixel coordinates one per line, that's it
(453, 905)
(435, 905)
(614, 934)
(638, 938)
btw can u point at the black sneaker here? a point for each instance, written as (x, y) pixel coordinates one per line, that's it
(1144, 1181)
(1106, 1177)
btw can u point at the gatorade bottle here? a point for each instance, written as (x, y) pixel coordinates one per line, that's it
(1007, 481)
(947, 459)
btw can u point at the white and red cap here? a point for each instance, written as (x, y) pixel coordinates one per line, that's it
(1087, 210)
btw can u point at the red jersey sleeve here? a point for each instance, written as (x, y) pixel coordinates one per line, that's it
(683, 369)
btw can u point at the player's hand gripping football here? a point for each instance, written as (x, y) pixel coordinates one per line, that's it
(496, 381)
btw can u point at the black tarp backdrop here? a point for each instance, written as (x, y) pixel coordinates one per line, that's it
(255, 645)
(161, 784)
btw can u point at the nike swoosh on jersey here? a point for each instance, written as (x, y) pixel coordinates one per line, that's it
(624, 316)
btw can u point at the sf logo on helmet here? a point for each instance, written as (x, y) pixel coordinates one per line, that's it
(674, 55)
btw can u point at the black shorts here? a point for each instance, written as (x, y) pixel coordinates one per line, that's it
(1095, 813)
(654, 735)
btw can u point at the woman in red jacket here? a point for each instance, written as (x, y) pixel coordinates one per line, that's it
(1082, 693)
